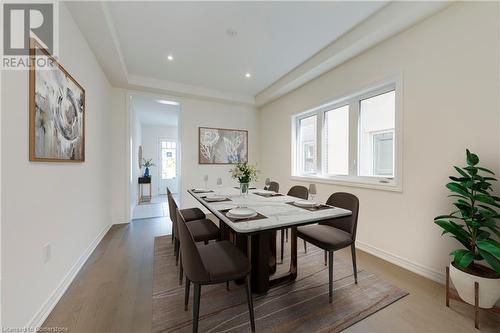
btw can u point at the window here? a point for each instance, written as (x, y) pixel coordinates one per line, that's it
(383, 148)
(168, 154)
(337, 141)
(308, 145)
(352, 140)
(376, 135)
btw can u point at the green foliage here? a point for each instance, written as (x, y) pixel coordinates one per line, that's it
(474, 222)
(245, 173)
(147, 163)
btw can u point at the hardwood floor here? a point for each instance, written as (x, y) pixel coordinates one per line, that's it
(112, 292)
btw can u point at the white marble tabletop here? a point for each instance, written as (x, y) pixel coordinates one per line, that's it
(278, 213)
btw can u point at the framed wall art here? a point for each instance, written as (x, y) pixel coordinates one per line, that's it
(222, 146)
(56, 111)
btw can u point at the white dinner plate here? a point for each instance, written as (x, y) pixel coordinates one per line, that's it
(201, 190)
(242, 212)
(305, 203)
(215, 198)
(228, 214)
(264, 192)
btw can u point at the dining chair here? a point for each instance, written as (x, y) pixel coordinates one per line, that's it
(335, 234)
(274, 186)
(203, 230)
(297, 191)
(218, 262)
(191, 214)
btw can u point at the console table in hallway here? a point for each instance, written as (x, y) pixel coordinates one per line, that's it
(141, 182)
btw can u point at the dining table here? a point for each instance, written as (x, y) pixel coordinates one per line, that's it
(254, 235)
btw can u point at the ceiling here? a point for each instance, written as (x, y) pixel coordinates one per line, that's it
(271, 39)
(150, 112)
(281, 44)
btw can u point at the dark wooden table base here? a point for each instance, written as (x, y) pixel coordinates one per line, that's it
(261, 249)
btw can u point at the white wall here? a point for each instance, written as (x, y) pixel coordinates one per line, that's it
(66, 204)
(451, 87)
(136, 130)
(120, 160)
(150, 136)
(196, 113)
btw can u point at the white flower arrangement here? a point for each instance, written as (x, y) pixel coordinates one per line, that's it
(244, 173)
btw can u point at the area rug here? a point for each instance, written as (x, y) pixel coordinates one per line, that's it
(300, 306)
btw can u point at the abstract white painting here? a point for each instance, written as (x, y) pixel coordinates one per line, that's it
(57, 115)
(222, 146)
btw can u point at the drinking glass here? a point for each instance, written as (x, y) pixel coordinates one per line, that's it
(219, 184)
(205, 179)
(312, 191)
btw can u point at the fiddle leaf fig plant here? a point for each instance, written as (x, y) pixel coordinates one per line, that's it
(474, 222)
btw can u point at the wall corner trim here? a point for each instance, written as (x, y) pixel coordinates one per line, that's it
(47, 307)
(419, 269)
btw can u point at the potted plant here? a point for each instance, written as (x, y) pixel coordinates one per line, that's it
(245, 174)
(147, 164)
(474, 225)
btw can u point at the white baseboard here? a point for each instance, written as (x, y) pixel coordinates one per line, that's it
(50, 303)
(402, 262)
(121, 220)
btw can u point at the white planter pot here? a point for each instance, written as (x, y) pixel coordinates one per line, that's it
(489, 289)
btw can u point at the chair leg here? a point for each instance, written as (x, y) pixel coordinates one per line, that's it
(353, 253)
(250, 302)
(330, 276)
(186, 294)
(176, 251)
(227, 285)
(305, 247)
(286, 235)
(196, 306)
(282, 243)
(326, 258)
(181, 271)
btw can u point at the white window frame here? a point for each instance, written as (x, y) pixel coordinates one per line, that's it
(353, 100)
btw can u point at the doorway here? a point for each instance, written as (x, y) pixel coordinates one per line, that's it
(154, 139)
(167, 168)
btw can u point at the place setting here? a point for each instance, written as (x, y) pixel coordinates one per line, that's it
(242, 214)
(310, 205)
(215, 198)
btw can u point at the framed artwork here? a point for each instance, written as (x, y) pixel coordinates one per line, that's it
(57, 111)
(222, 146)
(139, 156)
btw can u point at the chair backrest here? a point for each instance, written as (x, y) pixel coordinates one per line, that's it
(274, 186)
(190, 255)
(172, 208)
(347, 201)
(299, 191)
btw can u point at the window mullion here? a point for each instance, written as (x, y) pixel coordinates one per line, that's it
(319, 143)
(353, 137)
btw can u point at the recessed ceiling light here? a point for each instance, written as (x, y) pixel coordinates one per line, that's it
(248, 75)
(170, 57)
(162, 101)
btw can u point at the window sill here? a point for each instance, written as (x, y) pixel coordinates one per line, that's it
(349, 182)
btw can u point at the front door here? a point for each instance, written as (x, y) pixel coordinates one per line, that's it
(167, 169)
